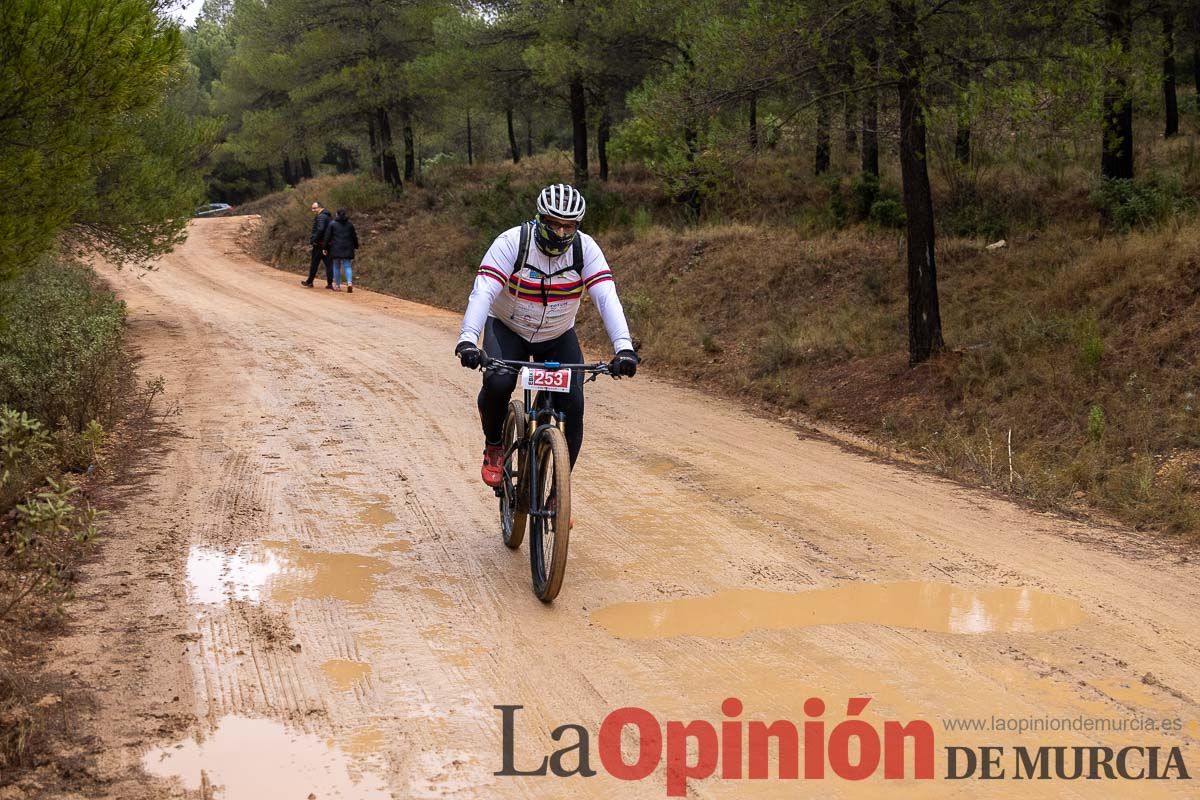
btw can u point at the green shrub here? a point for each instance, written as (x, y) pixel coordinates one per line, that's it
(836, 210)
(868, 201)
(1095, 423)
(361, 194)
(60, 347)
(887, 212)
(501, 205)
(991, 211)
(975, 217)
(1140, 203)
(41, 547)
(24, 455)
(639, 307)
(62, 375)
(1091, 344)
(641, 221)
(606, 210)
(864, 191)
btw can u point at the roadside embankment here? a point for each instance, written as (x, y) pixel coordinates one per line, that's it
(1069, 375)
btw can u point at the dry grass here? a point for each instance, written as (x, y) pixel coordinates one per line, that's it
(1079, 342)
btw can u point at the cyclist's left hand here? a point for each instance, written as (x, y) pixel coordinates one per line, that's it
(624, 364)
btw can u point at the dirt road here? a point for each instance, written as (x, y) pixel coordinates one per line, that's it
(314, 597)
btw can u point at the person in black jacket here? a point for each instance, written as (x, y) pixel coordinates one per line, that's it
(341, 240)
(316, 238)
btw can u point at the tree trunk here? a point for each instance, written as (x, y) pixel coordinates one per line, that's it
(1170, 101)
(288, 178)
(306, 167)
(410, 156)
(602, 129)
(924, 316)
(376, 155)
(690, 194)
(387, 159)
(270, 177)
(962, 133)
(962, 142)
(579, 130)
(870, 120)
(848, 123)
(512, 135)
(1196, 65)
(821, 155)
(1195, 32)
(754, 120)
(529, 134)
(1116, 161)
(470, 144)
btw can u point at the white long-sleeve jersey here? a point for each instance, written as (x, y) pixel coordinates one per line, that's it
(536, 303)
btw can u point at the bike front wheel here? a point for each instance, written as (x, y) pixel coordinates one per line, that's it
(550, 512)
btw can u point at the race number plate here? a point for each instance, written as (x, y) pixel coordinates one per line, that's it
(546, 380)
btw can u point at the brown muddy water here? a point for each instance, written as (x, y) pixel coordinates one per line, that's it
(937, 607)
(253, 759)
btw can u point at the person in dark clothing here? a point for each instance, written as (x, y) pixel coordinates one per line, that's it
(341, 240)
(316, 238)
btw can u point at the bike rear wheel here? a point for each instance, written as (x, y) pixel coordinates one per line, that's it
(513, 497)
(550, 517)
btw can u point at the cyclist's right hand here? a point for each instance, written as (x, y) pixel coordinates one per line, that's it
(469, 355)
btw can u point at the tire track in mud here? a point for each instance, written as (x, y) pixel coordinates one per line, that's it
(361, 595)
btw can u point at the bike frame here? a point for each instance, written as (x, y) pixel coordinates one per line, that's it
(538, 413)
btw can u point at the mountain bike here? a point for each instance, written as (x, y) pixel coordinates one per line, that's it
(536, 488)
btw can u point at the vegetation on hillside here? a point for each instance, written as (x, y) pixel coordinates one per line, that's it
(798, 198)
(689, 91)
(102, 138)
(65, 380)
(1069, 381)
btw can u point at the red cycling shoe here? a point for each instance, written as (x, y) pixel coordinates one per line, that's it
(492, 471)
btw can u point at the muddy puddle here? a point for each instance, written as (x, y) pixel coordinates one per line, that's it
(343, 674)
(937, 607)
(376, 514)
(285, 763)
(215, 578)
(280, 571)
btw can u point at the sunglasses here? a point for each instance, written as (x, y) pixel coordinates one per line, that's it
(561, 227)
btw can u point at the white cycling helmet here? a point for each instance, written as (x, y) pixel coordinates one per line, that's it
(561, 201)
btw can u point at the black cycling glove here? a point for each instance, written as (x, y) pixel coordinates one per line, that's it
(468, 355)
(624, 364)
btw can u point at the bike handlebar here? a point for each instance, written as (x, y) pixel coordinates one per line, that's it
(598, 368)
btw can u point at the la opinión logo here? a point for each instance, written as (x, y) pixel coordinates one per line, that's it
(852, 749)
(807, 750)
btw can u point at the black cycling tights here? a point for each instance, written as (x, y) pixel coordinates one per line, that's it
(500, 341)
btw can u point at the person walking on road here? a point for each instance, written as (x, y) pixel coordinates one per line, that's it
(341, 240)
(316, 238)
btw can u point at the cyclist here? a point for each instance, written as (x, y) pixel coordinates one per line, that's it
(524, 302)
